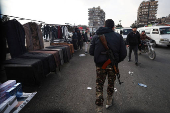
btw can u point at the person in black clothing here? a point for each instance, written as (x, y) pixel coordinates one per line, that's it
(116, 44)
(86, 41)
(79, 39)
(75, 40)
(133, 41)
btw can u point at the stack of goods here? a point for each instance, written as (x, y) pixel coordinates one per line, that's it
(9, 92)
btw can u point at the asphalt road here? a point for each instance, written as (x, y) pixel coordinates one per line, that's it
(66, 91)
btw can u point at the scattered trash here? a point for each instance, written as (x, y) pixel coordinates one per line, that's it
(130, 73)
(143, 85)
(115, 89)
(89, 88)
(82, 55)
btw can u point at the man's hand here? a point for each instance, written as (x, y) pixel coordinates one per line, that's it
(86, 42)
(139, 44)
(127, 45)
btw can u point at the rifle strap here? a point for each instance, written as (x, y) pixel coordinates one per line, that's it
(103, 41)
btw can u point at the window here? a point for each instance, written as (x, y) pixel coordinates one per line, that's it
(155, 31)
(165, 30)
(147, 31)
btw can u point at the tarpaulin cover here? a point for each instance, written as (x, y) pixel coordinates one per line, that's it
(64, 49)
(54, 53)
(26, 71)
(47, 59)
(70, 45)
(60, 53)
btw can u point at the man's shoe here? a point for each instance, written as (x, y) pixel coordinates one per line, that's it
(109, 101)
(99, 109)
(129, 60)
(136, 64)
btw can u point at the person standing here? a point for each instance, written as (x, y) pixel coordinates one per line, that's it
(75, 40)
(79, 39)
(86, 41)
(116, 45)
(133, 41)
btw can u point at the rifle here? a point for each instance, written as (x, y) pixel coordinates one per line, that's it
(111, 59)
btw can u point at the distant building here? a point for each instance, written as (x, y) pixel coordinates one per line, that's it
(164, 19)
(96, 17)
(147, 13)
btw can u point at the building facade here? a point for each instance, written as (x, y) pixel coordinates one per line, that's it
(96, 17)
(164, 19)
(147, 13)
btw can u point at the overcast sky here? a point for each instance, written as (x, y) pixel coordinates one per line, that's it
(76, 11)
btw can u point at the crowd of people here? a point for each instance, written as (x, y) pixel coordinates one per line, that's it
(81, 38)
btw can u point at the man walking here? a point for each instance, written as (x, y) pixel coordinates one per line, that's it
(133, 41)
(116, 45)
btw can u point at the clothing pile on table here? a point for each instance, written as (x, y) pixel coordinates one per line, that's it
(31, 63)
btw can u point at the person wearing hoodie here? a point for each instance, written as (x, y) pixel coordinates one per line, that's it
(133, 41)
(116, 44)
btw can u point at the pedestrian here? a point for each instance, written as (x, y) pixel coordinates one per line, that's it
(133, 41)
(79, 39)
(75, 40)
(116, 45)
(86, 41)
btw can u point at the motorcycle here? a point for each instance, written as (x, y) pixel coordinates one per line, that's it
(147, 48)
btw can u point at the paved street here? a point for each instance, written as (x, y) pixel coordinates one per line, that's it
(66, 91)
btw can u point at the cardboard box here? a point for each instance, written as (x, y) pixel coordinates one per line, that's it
(3, 107)
(3, 98)
(18, 89)
(11, 102)
(11, 92)
(6, 86)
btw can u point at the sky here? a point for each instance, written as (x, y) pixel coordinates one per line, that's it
(76, 11)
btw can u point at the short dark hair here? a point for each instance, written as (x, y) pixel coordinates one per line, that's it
(134, 27)
(109, 23)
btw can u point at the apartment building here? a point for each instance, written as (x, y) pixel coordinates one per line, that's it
(96, 17)
(147, 13)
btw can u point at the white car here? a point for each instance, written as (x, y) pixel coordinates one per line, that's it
(161, 34)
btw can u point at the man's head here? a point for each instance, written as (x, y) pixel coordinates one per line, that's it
(134, 29)
(143, 32)
(109, 23)
(86, 30)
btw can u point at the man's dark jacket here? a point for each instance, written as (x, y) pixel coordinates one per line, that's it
(74, 37)
(133, 39)
(115, 43)
(85, 37)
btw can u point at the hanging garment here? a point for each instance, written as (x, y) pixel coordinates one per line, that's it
(59, 33)
(15, 35)
(34, 37)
